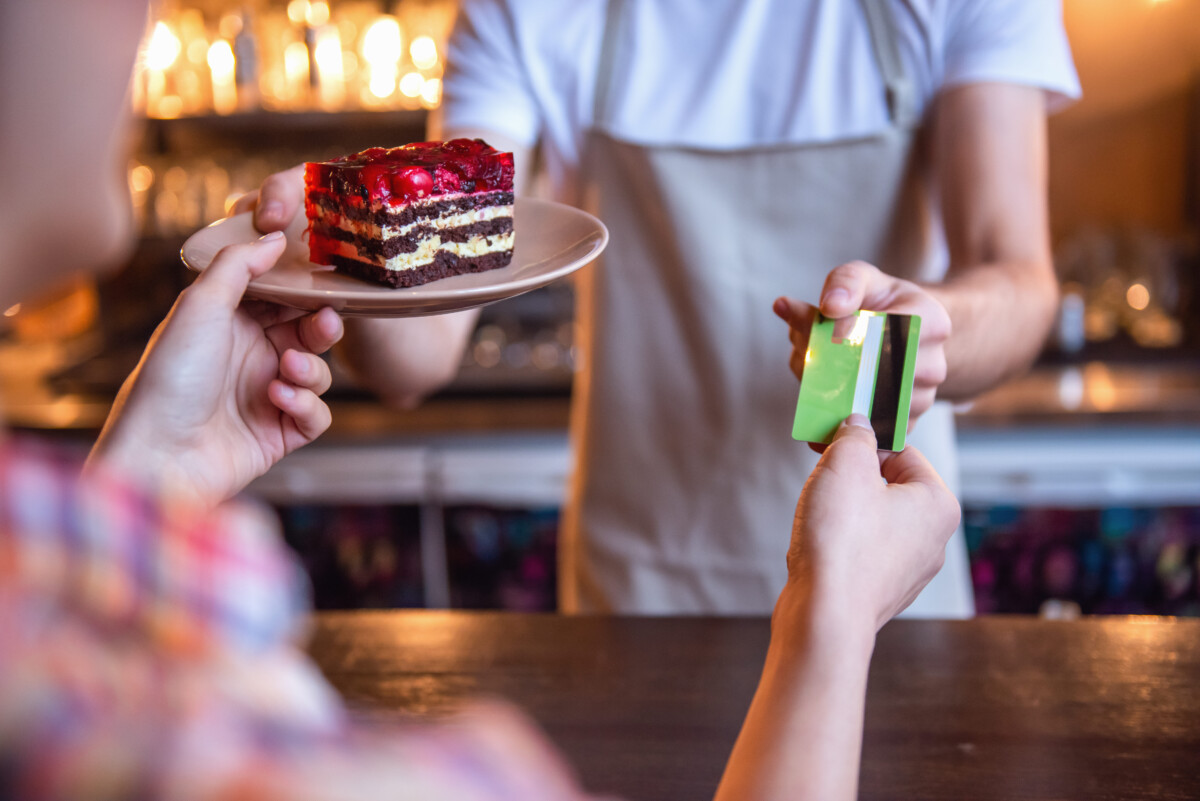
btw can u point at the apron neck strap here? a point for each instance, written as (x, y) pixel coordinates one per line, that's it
(885, 37)
(901, 94)
(607, 63)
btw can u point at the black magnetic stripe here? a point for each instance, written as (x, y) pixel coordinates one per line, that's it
(886, 402)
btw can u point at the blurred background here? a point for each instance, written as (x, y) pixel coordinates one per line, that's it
(1081, 481)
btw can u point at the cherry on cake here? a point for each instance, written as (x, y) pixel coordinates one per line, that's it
(405, 216)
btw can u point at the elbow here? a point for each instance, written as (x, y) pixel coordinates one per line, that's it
(404, 361)
(1043, 297)
(397, 384)
(1037, 297)
(408, 395)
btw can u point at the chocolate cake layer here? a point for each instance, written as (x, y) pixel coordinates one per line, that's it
(402, 216)
(443, 265)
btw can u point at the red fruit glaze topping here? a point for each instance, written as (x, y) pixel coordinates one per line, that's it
(412, 182)
(421, 169)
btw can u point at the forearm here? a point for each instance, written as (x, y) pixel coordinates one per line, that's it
(1001, 292)
(802, 736)
(1001, 314)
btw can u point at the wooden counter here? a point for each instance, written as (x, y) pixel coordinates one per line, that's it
(648, 708)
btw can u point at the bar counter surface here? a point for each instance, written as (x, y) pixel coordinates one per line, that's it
(648, 708)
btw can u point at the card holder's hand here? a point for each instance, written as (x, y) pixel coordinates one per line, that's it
(799, 316)
(870, 528)
(858, 285)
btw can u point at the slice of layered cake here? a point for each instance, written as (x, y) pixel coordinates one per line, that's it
(408, 215)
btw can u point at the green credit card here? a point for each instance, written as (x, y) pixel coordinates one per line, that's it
(869, 371)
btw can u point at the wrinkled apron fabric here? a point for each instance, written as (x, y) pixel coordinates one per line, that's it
(687, 475)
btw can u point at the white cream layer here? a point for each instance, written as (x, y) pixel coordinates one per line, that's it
(370, 230)
(474, 247)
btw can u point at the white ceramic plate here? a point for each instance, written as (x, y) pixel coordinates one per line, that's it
(552, 240)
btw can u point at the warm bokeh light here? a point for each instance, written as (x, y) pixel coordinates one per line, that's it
(381, 43)
(295, 63)
(163, 48)
(411, 84)
(328, 55)
(197, 49)
(297, 11)
(223, 66)
(331, 78)
(1138, 297)
(221, 61)
(424, 52)
(431, 93)
(317, 13)
(382, 84)
(289, 56)
(141, 178)
(1101, 389)
(381, 49)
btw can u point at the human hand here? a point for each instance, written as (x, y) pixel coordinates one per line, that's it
(858, 285)
(864, 546)
(870, 532)
(277, 202)
(226, 387)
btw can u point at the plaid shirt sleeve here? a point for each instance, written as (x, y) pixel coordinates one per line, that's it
(149, 651)
(189, 581)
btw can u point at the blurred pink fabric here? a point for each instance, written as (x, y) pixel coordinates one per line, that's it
(152, 651)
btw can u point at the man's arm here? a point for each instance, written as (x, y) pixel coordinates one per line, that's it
(989, 142)
(987, 320)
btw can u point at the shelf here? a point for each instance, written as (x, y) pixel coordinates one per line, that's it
(257, 131)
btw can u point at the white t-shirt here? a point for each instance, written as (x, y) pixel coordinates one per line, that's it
(728, 74)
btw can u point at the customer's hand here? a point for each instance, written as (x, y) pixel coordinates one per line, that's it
(226, 388)
(860, 543)
(859, 285)
(277, 202)
(870, 531)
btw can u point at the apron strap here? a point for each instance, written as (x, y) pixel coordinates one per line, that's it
(901, 94)
(608, 58)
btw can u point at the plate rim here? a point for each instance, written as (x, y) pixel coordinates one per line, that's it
(377, 297)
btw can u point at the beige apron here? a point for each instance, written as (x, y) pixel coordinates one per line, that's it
(687, 475)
